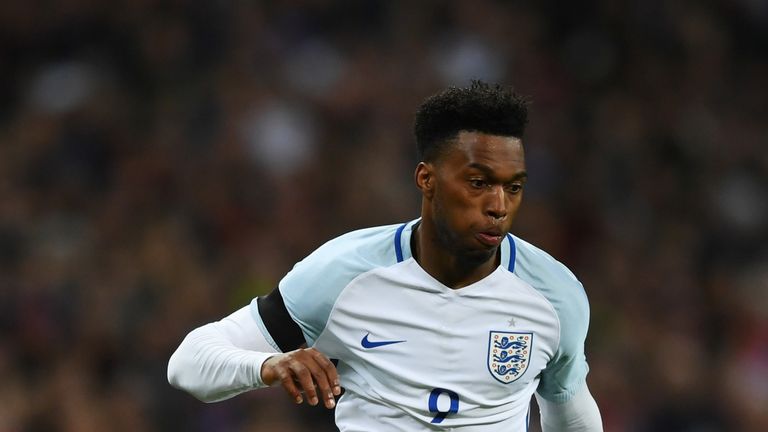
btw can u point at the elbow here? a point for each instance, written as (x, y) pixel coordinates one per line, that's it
(184, 374)
(176, 371)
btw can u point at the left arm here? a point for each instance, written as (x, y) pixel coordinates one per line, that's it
(577, 414)
(564, 399)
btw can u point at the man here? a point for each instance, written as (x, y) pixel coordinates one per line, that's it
(445, 322)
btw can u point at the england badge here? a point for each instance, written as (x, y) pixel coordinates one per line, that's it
(509, 354)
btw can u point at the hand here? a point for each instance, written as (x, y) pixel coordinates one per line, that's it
(306, 370)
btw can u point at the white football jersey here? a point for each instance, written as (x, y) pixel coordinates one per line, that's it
(414, 354)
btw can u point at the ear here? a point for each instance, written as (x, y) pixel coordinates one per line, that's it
(425, 179)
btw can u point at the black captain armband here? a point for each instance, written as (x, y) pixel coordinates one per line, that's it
(283, 329)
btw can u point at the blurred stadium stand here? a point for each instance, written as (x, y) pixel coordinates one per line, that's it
(161, 163)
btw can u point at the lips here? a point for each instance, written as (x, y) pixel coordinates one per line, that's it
(490, 237)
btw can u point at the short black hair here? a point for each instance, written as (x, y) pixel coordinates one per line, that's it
(481, 107)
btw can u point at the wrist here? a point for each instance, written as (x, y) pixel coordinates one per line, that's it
(261, 374)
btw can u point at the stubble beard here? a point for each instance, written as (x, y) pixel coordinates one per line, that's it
(450, 241)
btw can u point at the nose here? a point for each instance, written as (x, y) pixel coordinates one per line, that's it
(496, 204)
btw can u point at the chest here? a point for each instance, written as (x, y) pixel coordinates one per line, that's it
(406, 332)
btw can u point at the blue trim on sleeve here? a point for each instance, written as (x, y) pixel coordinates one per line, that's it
(512, 253)
(398, 246)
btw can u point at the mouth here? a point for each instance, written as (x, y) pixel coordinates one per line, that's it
(490, 238)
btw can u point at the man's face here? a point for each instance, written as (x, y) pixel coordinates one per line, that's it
(476, 192)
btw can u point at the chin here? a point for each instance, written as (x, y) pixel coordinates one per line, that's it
(478, 256)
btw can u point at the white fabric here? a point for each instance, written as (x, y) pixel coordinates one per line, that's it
(222, 359)
(412, 353)
(441, 366)
(578, 414)
(446, 341)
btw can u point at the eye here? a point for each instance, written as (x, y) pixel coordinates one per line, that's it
(514, 188)
(478, 183)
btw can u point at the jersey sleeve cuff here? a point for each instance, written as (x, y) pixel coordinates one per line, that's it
(256, 360)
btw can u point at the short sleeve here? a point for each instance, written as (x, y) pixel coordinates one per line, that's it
(311, 288)
(567, 370)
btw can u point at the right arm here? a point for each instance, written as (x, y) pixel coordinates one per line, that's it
(262, 344)
(225, 358)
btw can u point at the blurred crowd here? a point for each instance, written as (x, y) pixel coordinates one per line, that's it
(162, 163)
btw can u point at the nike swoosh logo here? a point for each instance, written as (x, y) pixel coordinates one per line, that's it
(369, 344)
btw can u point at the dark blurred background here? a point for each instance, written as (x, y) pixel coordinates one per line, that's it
(161, 163)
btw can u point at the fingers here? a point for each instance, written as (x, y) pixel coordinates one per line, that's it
(286, 380)
(306, 375)
(328, 373)
(308, 371)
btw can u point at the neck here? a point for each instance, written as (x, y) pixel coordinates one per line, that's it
(453, 270)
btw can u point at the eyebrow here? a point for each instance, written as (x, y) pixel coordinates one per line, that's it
(489, 172)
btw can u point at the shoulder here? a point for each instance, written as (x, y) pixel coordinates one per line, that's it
(567, 370)
(311, 288)
(557, 284)
(356, 251)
